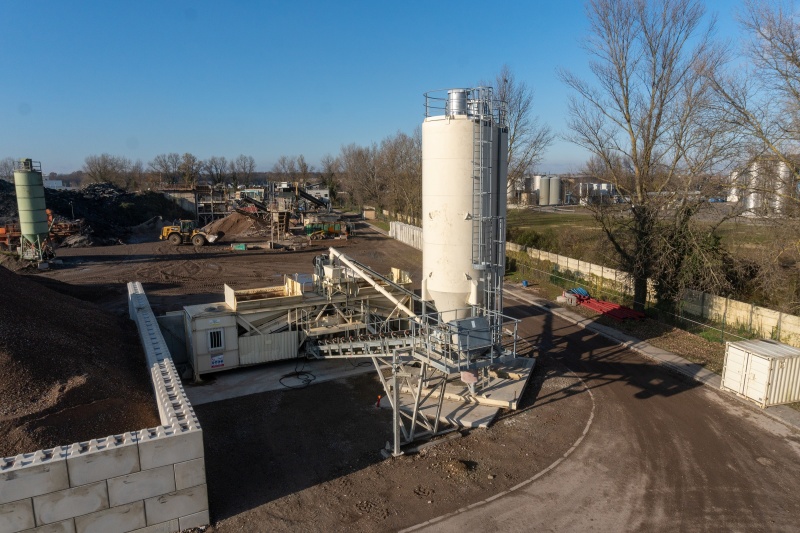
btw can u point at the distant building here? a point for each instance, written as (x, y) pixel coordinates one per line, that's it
(207, 203)
(320, 191)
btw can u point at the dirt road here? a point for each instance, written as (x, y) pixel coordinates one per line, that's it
(662, 454)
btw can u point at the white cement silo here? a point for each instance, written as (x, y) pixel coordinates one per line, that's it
(460, 150)
(555, 190)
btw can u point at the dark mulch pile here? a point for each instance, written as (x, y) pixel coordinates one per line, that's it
(69, 372)
(108, 212)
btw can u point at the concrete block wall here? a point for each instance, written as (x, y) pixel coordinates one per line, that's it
(151, 480)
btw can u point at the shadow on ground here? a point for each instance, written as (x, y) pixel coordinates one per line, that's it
(596, 359)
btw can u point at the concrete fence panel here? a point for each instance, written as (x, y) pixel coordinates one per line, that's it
(407, 234)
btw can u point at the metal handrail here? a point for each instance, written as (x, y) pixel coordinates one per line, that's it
(28, 164)
(478, 98)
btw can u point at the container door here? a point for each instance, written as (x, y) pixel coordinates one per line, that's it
(757, 379)
(735, 366)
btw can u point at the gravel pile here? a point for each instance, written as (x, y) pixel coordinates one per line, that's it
(230, 226)
(70, 372)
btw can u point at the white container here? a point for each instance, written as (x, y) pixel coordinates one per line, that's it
(763, 371)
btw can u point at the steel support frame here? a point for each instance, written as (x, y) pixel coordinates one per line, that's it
(406, 425)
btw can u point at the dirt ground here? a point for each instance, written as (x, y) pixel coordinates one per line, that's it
(663, 453)
(313, 455)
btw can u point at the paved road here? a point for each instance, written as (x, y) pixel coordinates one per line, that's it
(662, 454)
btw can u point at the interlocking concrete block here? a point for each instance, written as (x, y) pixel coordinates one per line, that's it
(190, 473)
(98, 459)
(69, 503)
(194, 520)
(32, 474)
(66, 526)
(164, 527)
(177, 504)
(16, 516)
(166, 445)
(122, 518)
(141, 485)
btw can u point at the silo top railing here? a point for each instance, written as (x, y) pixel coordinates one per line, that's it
(479, 102)
(27, 165)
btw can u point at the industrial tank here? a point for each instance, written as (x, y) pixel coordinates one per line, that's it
(555, 191)
(544, 191)
(464, 178)
(537, 182)
(30, 202)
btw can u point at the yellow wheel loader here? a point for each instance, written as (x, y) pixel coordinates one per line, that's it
(186, 233)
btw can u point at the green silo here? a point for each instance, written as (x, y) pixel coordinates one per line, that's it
(32, 212)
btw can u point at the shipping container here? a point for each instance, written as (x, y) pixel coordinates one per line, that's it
(763, 371)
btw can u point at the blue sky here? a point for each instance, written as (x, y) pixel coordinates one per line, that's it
(266, 78)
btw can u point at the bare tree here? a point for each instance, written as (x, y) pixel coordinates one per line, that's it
(360, 175)
(285, 169)
(400, 167)
(330, 170)
(106, 168)
(304, 170)
(136, 176)
(528, 138)
(189, 169)
(243, 168)
(167, 166)
(7, 169)
(648, 119)
(215, 169)
(762, 99)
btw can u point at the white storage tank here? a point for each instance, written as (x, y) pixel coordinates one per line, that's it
(537, 181)
(764, 371)
(451, 166)
(555, 190)
(544, 191)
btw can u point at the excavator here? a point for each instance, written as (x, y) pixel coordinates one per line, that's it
(186, 232)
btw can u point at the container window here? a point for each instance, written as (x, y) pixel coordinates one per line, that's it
(216, 339)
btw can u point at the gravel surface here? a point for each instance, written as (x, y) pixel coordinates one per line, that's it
(70, 371)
